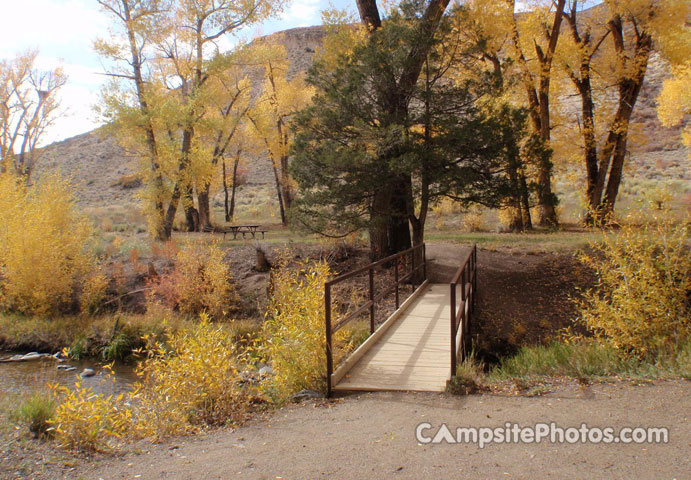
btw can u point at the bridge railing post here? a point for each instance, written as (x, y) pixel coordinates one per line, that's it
(412, 268)
(453, 329)
(371, 299)
(395, 276)
(424, 261)
(329, 351)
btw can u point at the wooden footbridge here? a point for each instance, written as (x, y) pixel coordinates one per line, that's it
(417, 347)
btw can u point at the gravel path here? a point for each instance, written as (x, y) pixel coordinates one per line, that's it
(373, 436)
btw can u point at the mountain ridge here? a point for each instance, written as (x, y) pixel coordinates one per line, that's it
(98, 165)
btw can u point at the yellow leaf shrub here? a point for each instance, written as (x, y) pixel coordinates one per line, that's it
(43, 245)
(641, 305)
(473, 221)
(200, 281)
(294, 329)
(93, 290)
(89, 421)
(194, 380)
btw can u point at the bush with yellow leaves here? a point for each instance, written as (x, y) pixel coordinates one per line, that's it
(43, 245)
(192, 381)
(294, 339)
(93, 290)
(199, 283)
(473, 221)
(641, 305)
(89, 421)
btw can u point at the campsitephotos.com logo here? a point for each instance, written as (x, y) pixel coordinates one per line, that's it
(425, 433)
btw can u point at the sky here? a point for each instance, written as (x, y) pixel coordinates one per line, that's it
(63, 31)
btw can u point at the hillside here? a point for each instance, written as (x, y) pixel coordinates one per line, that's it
(97, 163)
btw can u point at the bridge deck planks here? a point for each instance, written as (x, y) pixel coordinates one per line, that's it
(413, 354)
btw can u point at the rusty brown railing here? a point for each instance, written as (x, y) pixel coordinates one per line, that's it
(333, 326)
(466, 275)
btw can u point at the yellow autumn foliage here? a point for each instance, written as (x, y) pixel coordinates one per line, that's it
(294, 342)
(674, 101)
(294, 327)
(89, 421)
(641, 304)
(200, 281)
(43, 245)
(192, 381)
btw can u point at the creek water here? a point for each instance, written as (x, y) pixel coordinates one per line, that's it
(32, 375)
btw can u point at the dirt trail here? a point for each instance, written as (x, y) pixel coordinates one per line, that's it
(523, 298)
(373, 436)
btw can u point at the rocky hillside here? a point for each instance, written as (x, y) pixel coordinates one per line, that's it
(100, 166)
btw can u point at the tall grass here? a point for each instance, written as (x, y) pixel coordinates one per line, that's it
(586, 359)
(577, 360)
(36, 412)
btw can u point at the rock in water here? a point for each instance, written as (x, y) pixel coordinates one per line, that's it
(26, 357)
(87, 372)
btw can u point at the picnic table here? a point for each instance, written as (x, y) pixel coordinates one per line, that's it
(252, 230)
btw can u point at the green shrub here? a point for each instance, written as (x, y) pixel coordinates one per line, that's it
(641, 304)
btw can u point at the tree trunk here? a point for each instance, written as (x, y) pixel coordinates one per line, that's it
(548, 214)
(169, 217)
(538, 101)
(418, 228)
(225, 191)
(525, 202)
(164, 228)
(590, 145)
(234, 186)
(204, 203)
(516, 222)
(285, 183)
(614, 151)
(191, 213)
(378, 230)
(369, 14)
(614, 180)
(399, 228)
(279, 194)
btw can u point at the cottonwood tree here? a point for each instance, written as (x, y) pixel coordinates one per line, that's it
(674, 102)
(127, 105)
(29, 105)
(181, 38)
(222, 127)
(280, 98)
(238, 176)
(534, 38)
(485, 30)
(611, 46)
